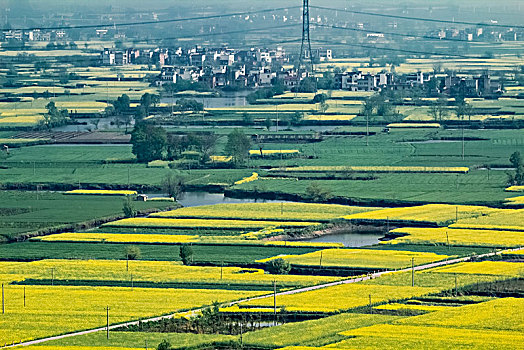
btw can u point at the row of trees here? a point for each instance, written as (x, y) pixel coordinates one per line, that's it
(154, 143)
(517, 178)
(54, 116)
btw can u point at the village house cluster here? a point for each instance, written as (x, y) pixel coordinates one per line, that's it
(222, 67)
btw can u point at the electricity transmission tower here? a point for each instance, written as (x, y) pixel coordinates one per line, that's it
(305, 48)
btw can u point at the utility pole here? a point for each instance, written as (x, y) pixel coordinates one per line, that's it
(24, 296)
(463, 141)
(447, 238)
(412, 272)
(275, 301)
(367, 128)
(456, 287)
(3, 300)
(276, 107)
(241, 334)
(172, 103)
(107, 321)
(321, 255)
(370, 307)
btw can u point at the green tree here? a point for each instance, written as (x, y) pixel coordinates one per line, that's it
(317, 193)
(122, 104)
(128, 208)
(132, 252)
(146, 102)
(278, 267)
(172, 185)
(164, 345)
(149, 142)
(320, 98)
(238, 146)
(268, 123)
(308, 84)
(516, 160)
(186, 254)
(247, 119)
(54, 116)
(296, 118)
(518, 165)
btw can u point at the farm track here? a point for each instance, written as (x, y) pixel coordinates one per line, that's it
(290, 292)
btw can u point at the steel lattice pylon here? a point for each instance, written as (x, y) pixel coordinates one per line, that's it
(305, 48)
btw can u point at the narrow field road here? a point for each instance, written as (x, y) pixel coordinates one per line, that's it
(290, 292)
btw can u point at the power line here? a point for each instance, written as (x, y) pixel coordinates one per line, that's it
(270, 41)
(415, 52)
(219, 34)
(418, 18)
(394, 34)
(128, 24)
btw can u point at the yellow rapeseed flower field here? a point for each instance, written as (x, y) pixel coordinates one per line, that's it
(496, 219)
(516, 200)
(221, 159)
(394, 336)
(265, 211)
(267, 152)
(117, 238)
(498, 268)
(102, 192)
(204, 224)
(515, 189)
(436, 214)
(375, 169)
(342, 297)
(330, 117)
(57, 310)
(23, 120)
(244, 239)
(460, 237)
(251, 178)
(414, 125)
(417, 307)
(365, 258)
(503, 314)
(146, 271)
